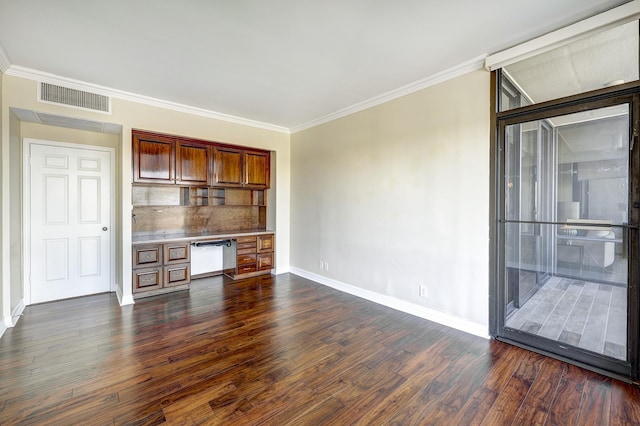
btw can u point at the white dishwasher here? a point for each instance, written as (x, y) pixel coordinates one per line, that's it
(206, 256)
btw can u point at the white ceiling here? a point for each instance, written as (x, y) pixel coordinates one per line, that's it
(282, 62)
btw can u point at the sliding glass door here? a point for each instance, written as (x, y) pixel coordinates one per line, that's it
(564, 233)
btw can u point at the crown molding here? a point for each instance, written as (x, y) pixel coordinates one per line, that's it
(456, 71)
(40, 76)
(448, 74)
(5, 63)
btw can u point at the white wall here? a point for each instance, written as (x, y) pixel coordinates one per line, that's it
(21, 93)
(390, 197)
(397, 196)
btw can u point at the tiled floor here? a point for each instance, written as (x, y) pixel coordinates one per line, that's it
(580, 313)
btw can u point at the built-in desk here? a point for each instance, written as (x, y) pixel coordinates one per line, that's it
(162, 262)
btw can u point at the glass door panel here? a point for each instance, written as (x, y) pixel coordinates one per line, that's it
(528, 181)
(566, 190)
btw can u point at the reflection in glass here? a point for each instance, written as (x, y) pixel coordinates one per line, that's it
(566, 203)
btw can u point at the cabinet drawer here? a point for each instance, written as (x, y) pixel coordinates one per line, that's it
(177, 253)
(244, 269)
(177, 275)
(265, 243)
(147, 279)
(147, 256)
(265, 261)
(251, 239)
(245, 259)
(247, 245)
(246, 251)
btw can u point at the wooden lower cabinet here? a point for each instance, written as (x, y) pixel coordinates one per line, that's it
(177, 253)
(177, 275)
(159, 268)
(254, 256)
(147, 279)
(265, 261)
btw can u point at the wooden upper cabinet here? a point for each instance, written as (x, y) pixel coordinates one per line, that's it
(166, 159)
(242, 168)
(192, 163)
(256, 169)
(227, 166)
(153, 158)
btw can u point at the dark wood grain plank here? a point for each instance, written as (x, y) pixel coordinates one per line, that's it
(623, 413)
(535, 407)
(596, 401)
(508, 403)
(565, 408)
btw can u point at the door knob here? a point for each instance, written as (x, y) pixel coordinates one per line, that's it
(104, 228)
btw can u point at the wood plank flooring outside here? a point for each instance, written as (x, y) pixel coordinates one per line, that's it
(281, 351)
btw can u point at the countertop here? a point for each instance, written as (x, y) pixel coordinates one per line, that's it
(159, 238)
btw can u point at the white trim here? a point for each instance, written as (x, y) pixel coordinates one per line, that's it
(400, 305)
(609, 19)
(448, 74)
(5, 63)
(40, 76)
(26, 218)
(11, 320)
(15, 315)
(124, 300)
(279, 271)
(26, 223)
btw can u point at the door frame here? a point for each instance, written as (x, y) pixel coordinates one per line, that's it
(26, 208)
(604, 365)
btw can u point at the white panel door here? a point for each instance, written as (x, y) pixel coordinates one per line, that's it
(70, 216)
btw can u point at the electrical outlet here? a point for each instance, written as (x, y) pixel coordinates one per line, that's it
(424, 291)
(322, 265)
(326, 266)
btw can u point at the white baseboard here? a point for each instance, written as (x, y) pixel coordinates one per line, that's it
(15, 315)
(122, 300)
(11, 320)
(279, 271)
(466, 326)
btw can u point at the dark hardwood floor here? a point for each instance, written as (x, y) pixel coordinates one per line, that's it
(278, 351)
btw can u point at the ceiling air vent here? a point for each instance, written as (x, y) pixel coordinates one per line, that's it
(74, 98)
